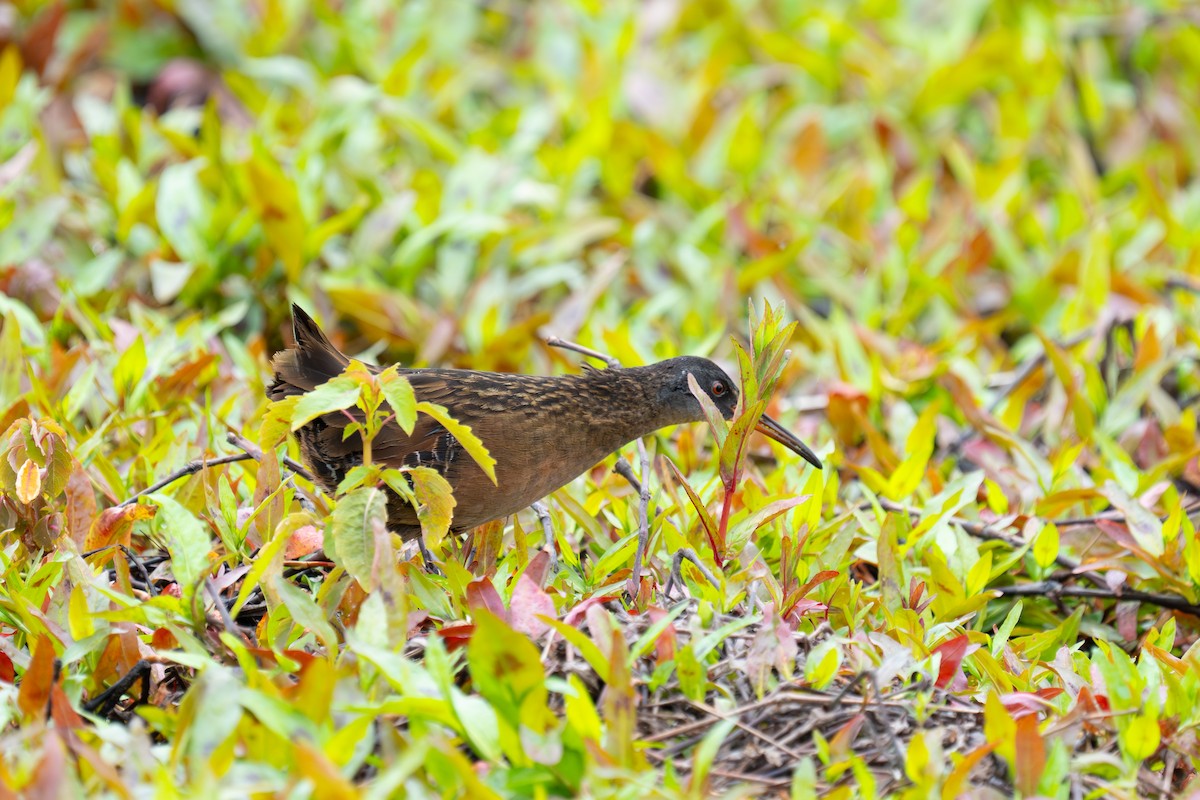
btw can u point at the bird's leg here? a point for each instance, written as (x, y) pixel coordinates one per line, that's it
(642, 487)
(543, 515)
(426, 556)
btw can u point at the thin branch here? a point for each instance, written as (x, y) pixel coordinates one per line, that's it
(1056, 589)
(188, 469)
(677, 575)
(103, 704)
(231, 627)
(554, 341)
(249, 447)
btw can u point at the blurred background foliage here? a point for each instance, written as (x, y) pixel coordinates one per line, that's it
(983, 215)
(447, 176)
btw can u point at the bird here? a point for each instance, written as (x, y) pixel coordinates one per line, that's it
(543, 431)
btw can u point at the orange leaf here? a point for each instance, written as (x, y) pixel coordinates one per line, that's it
(316, 766)
(115, 525)
(60, 709)
(35, 685)
(1031, 755)
(80, 505)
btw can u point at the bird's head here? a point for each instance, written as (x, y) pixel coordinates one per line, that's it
(675, 396)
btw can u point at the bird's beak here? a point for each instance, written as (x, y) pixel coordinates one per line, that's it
(773, 430)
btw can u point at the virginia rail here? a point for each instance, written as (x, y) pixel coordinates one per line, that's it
(543, 431)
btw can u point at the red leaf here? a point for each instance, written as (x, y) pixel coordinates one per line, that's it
(529, 601)
(1022, 704)
(60, 709)
(539, 568)
(482, 594)
(457, 636)
(664, 645)
(577, 613)
(7, 673)
(163, 639)
(953, 652)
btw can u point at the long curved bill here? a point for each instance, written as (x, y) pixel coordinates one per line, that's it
(773, 430)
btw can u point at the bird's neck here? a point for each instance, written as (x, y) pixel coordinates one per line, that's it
(618, 406)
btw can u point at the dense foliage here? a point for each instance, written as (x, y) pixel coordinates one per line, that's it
(982, 217)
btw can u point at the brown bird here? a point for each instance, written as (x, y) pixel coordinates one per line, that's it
(543, 431)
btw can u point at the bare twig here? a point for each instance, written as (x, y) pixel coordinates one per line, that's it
(249, 447)
(554, 341)
(188, 469)
(103, 704)
(1056, 589)
(677, 575)
(231, 627)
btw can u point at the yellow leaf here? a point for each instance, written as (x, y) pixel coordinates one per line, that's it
(470, 442)
(1045, 545)
(29, 482)
(80, 619)
(1142, 736)
(10, 73)
(919, 447)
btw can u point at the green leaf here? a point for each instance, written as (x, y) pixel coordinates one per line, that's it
(693, 679)
(131, 368)
(465, 437)
(586, 647)
(1045, 545)
(269, 558)
(305, 612)
(183, 212)
(188, 542)
(357, 527)
(504, 664)
(333, 395)
(706, 520)
(400, 396)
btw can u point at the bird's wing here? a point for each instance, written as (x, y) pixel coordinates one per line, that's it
(430, 444)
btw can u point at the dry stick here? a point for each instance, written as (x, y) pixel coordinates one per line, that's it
(554, 341)
(752, 731)
(231, 627)
(188, 469)
(103, 704)
(1056, 589)
(677, 574)
(249, 447)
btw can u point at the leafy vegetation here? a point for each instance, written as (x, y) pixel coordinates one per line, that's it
(981, 217)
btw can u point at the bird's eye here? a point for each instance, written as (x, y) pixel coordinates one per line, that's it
(718, 389)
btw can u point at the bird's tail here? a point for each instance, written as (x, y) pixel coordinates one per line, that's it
(308, 363)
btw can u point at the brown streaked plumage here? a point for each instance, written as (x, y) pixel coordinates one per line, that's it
(543, 431)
